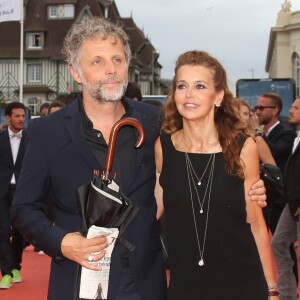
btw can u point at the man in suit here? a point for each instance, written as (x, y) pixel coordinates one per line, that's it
(279, 138)
(12, 149)
(63, 151)
(288, 228)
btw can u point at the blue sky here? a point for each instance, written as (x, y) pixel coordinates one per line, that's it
(235, 32)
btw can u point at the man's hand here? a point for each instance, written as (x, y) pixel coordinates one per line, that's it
(258, 193)
(297, 214)
(79, 249)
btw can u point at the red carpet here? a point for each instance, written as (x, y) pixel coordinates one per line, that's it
(35, 273)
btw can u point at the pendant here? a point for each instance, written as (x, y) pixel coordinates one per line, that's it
(201, 262)
(199, 182)
(201, 211)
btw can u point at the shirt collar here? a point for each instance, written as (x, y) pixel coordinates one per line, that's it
(272, 127)
(88, 122)
(11, 133)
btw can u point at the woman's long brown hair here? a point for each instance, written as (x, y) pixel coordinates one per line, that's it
(226, 116)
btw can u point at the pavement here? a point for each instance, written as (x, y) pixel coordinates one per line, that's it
(35, 273)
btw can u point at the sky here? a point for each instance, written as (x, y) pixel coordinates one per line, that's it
(236, 32)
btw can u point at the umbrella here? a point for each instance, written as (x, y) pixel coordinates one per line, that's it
(99, 203)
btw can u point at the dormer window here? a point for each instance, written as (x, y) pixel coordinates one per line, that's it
(66, 11)
(35, 40)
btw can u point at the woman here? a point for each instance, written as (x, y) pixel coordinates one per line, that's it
(274, 191)
(217, 238)
(248, 126)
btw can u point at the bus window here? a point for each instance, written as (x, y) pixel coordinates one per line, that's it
(251, 90)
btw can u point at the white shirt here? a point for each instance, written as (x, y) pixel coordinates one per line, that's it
(272, 127)
(296, 141)
(15, 140)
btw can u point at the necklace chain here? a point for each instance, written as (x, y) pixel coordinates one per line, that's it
(191, 167)
(191, 180)
(212, 143)
(192, 172)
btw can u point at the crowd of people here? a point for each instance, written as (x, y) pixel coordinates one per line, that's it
(198, 168)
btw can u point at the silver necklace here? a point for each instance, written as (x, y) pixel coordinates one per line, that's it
(191, 167)
(212, 143)
(208, 187)
(192, 172)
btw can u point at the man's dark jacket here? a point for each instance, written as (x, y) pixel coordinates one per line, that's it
(280, 141)
(7, 165)
(59, 157)
(291, 181)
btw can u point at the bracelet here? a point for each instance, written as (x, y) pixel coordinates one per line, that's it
(259, 132)
(273, 293)
(273, 286)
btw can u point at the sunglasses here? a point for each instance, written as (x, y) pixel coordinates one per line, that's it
(261, 107)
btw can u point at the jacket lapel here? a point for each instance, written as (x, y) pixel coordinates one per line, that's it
(75, 130)
(140, 154)
(7, 148)
(297, 148)
(274, 132)
(74, 127)
(291, 155)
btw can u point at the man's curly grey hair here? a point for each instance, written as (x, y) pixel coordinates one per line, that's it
(94, 28)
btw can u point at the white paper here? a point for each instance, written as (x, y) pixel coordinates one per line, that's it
(94, 284)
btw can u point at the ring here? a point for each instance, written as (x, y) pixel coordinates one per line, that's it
(90, 259)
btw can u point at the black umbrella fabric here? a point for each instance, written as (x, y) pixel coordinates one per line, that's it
(99, 203)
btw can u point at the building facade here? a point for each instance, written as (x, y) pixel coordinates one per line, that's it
(283, 57)
(45, 74)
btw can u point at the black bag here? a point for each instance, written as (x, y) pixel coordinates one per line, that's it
(272, 177)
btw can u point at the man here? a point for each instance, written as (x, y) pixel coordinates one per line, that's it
(12, 149)
(65, 148)
(288, 228)
(55, 106)
(280, 140)
(278, 136)
(133, 92)
(44, 109)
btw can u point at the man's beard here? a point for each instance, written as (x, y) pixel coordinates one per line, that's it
(101, 93)
(265, 120)
(293, 122)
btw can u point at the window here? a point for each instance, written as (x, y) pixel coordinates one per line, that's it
(296, 72)
(35, 40)
(32, 105)
(103, 9)
(53, 12)
(34, 73)
(65, 11)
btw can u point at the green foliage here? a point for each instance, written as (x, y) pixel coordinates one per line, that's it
(2, 103)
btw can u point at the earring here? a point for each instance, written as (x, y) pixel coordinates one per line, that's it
(217, 104)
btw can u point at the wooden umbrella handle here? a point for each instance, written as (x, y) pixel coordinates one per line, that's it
(113, 139)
